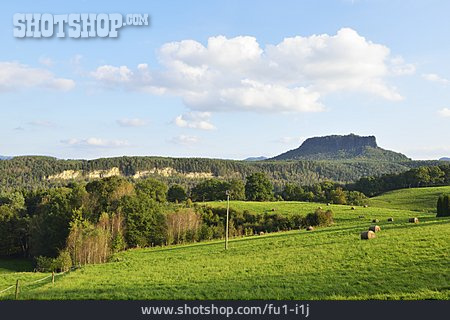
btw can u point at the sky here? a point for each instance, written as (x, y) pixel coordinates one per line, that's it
(228, 79)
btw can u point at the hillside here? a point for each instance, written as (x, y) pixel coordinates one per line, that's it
(417, 199)
(341, 147)
(328, 263)
(37, 172)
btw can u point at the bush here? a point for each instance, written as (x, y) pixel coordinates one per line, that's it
(63, 262)
(45, 264)
(118, 243)
(319, 218)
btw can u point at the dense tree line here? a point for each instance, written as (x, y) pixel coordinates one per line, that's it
(32, 172)
(425, 176)
(325, 192)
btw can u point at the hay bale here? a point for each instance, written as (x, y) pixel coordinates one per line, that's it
(375, 220)
(390, 219)
(353, 208)
(320, 208)
(310, 228)
(375, 228)
(261, 233)
(413, 220)
(328, 204)
(366, 206)
(366, 235)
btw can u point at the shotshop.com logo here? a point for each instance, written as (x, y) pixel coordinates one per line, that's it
(74, 25)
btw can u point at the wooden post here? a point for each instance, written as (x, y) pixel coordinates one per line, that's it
(228, 217)
(17, 289)
(53, 277)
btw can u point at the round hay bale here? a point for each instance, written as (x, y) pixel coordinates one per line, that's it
(374, 228)
(366, 235)
(328, 204)
(320, 208)
(310, 228)
(261, 233)
(413, 220)
(353, 208)
(390, 219)
(366, 206)
(375, 220)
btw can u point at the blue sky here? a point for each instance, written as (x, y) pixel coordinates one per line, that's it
(229, 79)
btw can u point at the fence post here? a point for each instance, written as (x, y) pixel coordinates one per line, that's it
(17, 289)
(53, 277)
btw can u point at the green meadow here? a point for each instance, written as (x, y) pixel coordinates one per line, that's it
(404, 261)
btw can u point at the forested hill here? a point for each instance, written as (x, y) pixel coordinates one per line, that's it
(36, 172)
(341, 147)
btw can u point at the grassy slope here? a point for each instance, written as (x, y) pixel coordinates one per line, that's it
(418, 199)
(405, 261)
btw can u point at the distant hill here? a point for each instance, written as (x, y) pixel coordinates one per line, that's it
(256, 158)
(5, 158)
(348, 147)
(444, 159)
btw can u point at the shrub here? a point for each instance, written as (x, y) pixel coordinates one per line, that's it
(63, 262)
(319, 218)
(45, 264)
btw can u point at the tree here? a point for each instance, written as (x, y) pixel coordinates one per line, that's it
(153, 189)
(258, 187)
(145, 222)
(236, 188)
(210, 190)
(176, 193)
(338, 196)
(440, 207)
(443, 206)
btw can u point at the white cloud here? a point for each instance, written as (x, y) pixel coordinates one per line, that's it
(95, 142)
(238, 74)
(445, 112)
(16, 76)
(195, 120)
(135, 122)
(435, 78)
(42, 123)
(46, 61)
(185, 140)
(290, 140)
(399, 67)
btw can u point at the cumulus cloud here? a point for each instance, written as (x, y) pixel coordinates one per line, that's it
(229, 74)
(435, 78)
(16, 76)
(445, 112)
(95, 142)
(195, 120)
(184, 140)
(134, 122)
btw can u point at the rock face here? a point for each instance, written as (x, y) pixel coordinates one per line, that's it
(341, 147)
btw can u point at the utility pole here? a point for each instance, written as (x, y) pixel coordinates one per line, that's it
(228, 216)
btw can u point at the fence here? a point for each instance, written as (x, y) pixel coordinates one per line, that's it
(19, 284)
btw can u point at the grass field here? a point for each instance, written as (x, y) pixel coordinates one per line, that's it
(405, 261)
(417, 199)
